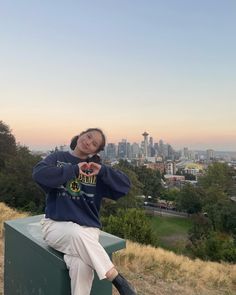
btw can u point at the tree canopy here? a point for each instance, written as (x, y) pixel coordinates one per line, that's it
(17, 188)
(7, 144)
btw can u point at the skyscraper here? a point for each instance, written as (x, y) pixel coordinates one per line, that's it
(123, 149)
(210, 154)
(134, 150)
(111, 151)
(145, 135)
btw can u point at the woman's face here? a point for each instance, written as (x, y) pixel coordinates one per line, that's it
(89, 142)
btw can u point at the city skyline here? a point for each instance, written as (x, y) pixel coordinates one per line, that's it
(139, 142)
(125, 67)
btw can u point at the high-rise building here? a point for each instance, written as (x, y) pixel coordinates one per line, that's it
(151, 149)
(171, 152)
(123, 149)
(210, 154)
(145, 136)
(111, 151)
(135, 150)
(161, 147)
(165, 151)
(128, 150)
(151, 141)
(156, 148)
(185, 153)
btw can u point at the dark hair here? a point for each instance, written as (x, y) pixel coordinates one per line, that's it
(73, 142)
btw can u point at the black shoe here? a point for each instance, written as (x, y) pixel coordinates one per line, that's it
(123, 286)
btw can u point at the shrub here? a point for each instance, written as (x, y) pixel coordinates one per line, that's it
(130, 224)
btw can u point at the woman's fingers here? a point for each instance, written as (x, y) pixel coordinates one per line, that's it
(89, 169)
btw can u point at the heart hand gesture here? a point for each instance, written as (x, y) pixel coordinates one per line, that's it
(89, 169)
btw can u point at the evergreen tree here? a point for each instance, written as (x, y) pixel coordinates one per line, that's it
(218, 175)
(190, 199)
(17, 188)
(7, 144)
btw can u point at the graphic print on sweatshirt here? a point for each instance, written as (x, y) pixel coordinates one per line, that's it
(82, 186)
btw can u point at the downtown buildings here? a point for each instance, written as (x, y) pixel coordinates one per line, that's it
(146, 151)
(158, 155)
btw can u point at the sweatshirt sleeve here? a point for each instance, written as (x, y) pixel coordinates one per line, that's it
(48, 175)
(115, 183)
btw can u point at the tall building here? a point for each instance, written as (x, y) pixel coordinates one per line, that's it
(161, 147)
(145, 136)
(135, 150)
(185, 153)
(151, 149)
(151, 141)
(111, 151)
(165, 151)
(123, 149)
(171, 152)
(210, 154)
(156, 148)
(128, 150)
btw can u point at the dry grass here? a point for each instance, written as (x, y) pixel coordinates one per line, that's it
(155, 271)
(6, 213)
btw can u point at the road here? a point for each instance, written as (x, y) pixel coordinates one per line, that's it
(165, 212)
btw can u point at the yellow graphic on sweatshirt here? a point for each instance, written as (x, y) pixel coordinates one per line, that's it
(87, 179)
(73, 187)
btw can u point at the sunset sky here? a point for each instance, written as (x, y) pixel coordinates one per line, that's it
(126, 66)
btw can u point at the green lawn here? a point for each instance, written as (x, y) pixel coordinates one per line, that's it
(172, 232)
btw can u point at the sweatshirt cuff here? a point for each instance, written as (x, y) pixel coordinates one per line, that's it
(102, 170)
(76, 170)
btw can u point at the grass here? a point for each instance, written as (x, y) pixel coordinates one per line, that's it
(172, 232)
(165, 225)
(6, 213)
(155, 271)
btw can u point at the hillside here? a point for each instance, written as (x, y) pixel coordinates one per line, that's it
(155, 271)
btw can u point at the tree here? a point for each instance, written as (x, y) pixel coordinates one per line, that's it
(215, 247)
(171, 194)
(17, 188)
(202, 226)
(222, 214)
(131, 200)
(218, 175)
(151, 180)
(190, 199)
(213, 235)
(7, 144)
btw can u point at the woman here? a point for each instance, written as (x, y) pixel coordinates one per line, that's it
(75, 183)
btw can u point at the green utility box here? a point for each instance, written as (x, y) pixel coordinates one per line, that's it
(31, 267)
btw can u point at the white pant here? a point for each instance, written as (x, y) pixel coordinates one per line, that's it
(83, 252)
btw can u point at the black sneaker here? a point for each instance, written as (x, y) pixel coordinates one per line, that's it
(123, 286)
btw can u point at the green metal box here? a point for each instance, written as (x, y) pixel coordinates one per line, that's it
(33, 268)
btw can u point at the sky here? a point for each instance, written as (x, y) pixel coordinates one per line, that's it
(167, 67)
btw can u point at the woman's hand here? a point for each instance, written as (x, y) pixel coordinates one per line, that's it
(89, 169)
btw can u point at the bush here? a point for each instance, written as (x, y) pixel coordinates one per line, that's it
(216, 247)
(130, 224)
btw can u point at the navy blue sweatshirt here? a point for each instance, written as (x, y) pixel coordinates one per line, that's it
(72, 196)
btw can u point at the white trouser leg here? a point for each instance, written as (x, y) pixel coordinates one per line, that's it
(77, 242)
(79, 274)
